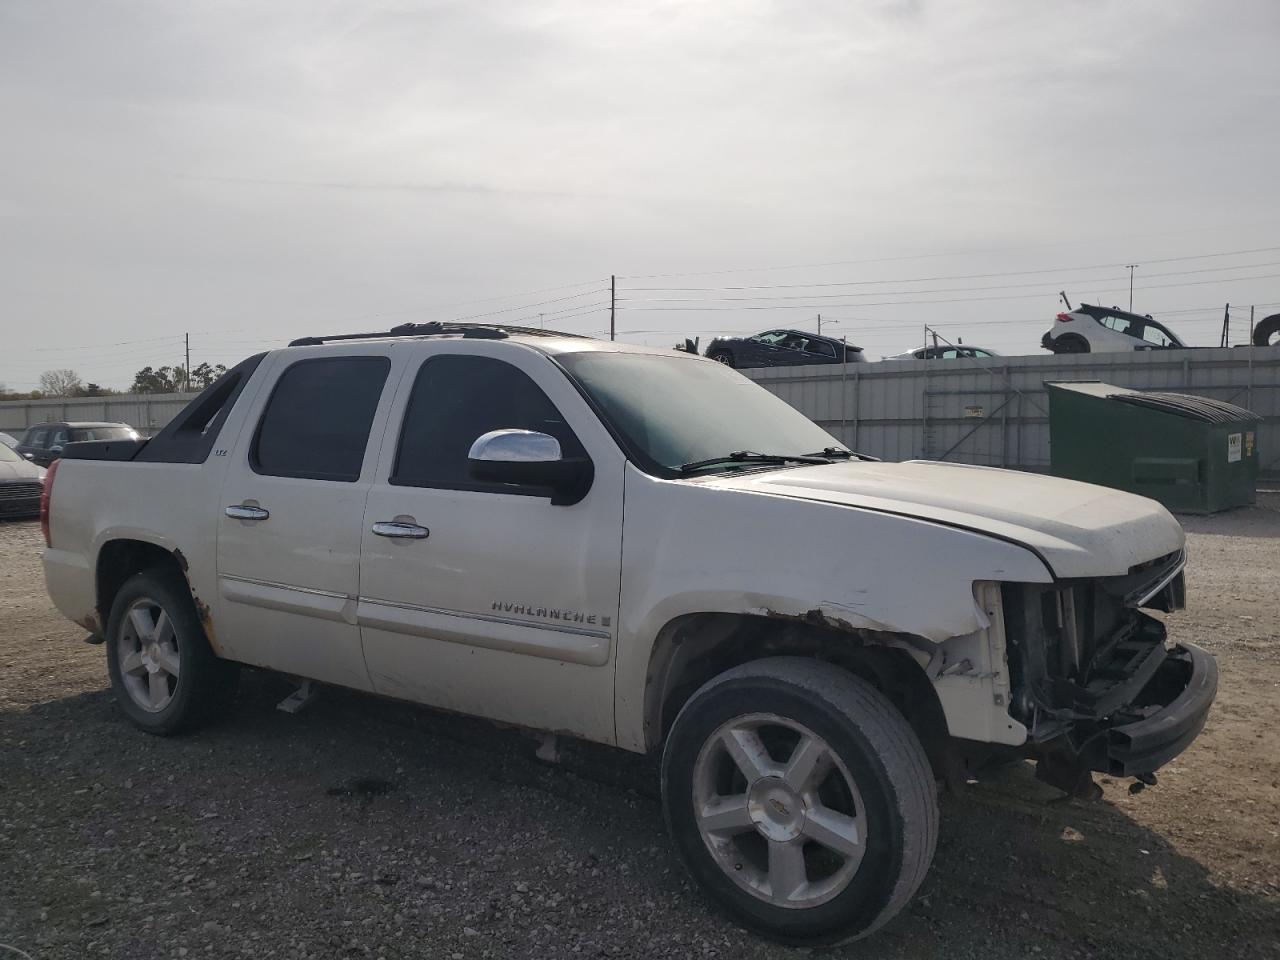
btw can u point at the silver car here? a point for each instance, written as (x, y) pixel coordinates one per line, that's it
(945, 351)
(21, 484)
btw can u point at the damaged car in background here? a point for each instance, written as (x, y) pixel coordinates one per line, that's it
(645, 549)
(782, 348)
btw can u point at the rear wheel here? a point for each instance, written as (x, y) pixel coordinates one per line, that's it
(722, 356)
(800, 799)
(1070, 343)
(165, 676)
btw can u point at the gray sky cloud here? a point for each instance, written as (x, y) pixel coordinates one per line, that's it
(252, 172)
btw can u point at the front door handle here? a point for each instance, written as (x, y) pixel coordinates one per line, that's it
(244, 511)
(400, 531)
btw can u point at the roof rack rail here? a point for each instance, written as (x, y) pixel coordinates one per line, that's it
(436, 328)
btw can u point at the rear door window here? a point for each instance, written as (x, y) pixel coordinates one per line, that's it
(822, 348)
(317, 422)
(1119, 324)
(456, 400)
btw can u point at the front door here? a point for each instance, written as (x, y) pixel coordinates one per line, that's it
(486, 598)
(291, 513)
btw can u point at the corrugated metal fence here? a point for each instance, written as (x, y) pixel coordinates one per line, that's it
(972, 411)
(145, 412)
(996, 411)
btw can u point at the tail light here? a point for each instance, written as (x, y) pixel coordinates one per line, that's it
(46, 496)
(1064, 317)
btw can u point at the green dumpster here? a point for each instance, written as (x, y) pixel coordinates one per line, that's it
(1193, 454)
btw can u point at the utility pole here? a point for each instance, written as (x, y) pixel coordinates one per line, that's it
(187, 369)
(1131, 267)
(1226, 325)
(844, 376)
(819, 324)
(613, 303)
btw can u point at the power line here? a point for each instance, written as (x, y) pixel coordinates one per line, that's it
(971, 276)
(467, 303)
(923, 256)
(892, 303)
(906, 293)
(97, 346)
(526, 306)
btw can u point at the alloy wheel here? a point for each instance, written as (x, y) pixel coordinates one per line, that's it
(778, 810)
(148, 655)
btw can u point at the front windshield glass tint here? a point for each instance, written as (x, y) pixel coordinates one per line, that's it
(677, 410)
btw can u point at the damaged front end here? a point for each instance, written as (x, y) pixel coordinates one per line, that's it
(1094, 681)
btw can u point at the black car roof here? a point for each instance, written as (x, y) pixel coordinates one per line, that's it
(808, 334)
(1099, 312)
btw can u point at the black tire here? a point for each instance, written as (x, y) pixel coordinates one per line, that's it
(722, 356)
(204, 683)
(879, 750)
(1070, 343)
(1267, 331)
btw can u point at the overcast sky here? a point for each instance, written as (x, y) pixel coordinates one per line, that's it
(255, 171)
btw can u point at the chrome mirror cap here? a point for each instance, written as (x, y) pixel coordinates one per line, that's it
(516, 446)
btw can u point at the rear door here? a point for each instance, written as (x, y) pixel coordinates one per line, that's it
(291, 513)
(762, 350)
(501, 604)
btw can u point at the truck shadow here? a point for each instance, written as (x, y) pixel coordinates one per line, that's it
(1017, 873)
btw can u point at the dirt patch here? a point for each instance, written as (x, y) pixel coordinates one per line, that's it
(235, 842)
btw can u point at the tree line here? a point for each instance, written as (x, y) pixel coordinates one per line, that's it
(68, 383)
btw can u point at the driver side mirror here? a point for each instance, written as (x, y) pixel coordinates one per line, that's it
(533, 459)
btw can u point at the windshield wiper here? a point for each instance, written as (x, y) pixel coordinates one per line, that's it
(833, 453)
(750, 456)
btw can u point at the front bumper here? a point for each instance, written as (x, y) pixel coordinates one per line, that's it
(1167, 715)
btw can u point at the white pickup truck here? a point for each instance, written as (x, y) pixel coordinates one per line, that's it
(645, 549)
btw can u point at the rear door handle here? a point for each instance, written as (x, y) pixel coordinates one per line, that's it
(400, 531)
(244, 511)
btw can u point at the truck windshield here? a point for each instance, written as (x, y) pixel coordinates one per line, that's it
(676, 410)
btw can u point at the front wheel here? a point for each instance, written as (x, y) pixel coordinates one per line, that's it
(165, 676)
(800, 799)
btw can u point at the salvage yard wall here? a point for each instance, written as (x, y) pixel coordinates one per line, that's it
(995, 411)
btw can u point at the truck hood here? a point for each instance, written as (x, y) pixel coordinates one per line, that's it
(1081, 530)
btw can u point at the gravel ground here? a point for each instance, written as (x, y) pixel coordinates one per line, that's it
(366, 828)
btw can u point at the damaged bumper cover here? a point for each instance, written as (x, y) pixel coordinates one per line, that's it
(1170, 712)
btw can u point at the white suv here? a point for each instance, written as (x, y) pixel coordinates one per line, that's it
(1090, 329)
(645, 549)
